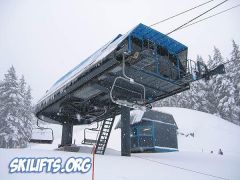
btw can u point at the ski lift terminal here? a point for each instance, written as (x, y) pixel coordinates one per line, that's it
(129, 72)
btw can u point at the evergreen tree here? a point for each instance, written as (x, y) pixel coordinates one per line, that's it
(226, 101)
(15, 128)
(234, 73)
(26, 108)
(197, 94)
(214, 84)
(10, 99)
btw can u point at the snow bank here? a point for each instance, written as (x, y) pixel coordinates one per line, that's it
(175, 165)
(210, 132)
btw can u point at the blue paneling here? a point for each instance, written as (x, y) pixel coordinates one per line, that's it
(145, 32)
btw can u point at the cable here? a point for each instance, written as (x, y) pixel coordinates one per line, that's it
(178, 14)
(179, 167)
(211, 16)
(183, 25)
(176, 29)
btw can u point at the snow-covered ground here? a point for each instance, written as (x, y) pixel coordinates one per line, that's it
(193, 161)
(210, 132)
(176, 165)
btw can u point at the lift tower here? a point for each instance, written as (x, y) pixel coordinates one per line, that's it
(129, 72)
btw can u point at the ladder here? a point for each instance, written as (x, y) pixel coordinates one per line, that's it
(104, 135)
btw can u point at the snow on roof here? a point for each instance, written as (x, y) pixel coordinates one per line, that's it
(137, 116)
(140, 31)
(92, 60)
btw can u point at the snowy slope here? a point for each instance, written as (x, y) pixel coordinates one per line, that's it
(210, 132)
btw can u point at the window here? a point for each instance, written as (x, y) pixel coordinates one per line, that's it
(145, 130)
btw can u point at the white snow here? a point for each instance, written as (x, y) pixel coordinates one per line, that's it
(193, 161)
(210, 132)
(137, 115)
(177, 165)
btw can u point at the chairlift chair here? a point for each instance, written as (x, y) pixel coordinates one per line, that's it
(42, 135)
(200, 70)
(88, 141)
(127, 92)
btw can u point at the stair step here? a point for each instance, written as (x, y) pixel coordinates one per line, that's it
(105, 131)
(103, 138)
(108, 121)
(107, 126)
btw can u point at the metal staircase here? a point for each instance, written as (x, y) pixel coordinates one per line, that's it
(104, 135)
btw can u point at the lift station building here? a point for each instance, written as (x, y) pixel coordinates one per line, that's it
(129, 72)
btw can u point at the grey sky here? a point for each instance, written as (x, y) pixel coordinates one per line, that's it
(44, 39)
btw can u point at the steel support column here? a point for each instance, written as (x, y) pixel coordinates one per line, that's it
(67, 132)
(125, 131)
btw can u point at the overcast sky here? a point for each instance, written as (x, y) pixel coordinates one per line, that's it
(44, 39)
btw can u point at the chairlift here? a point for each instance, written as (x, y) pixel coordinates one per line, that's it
(42, 135)
(88, 141)
(206, 73)
(126, 92)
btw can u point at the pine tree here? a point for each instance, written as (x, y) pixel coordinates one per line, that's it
(172, 101)
(26, 108)
(226, 101)
(15, 115)
(214, 84)
(10, 99)
(198, 94)
(234, 73)
(184, 99)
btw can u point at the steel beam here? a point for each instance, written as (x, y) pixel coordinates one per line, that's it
(67, 132)
(125, 131)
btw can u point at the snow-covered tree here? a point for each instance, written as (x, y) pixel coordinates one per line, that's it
(196, 97)
(171, 101)
(226, 101)
(26, 108)
(214, 85)
(15, 128)
(234, 75)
